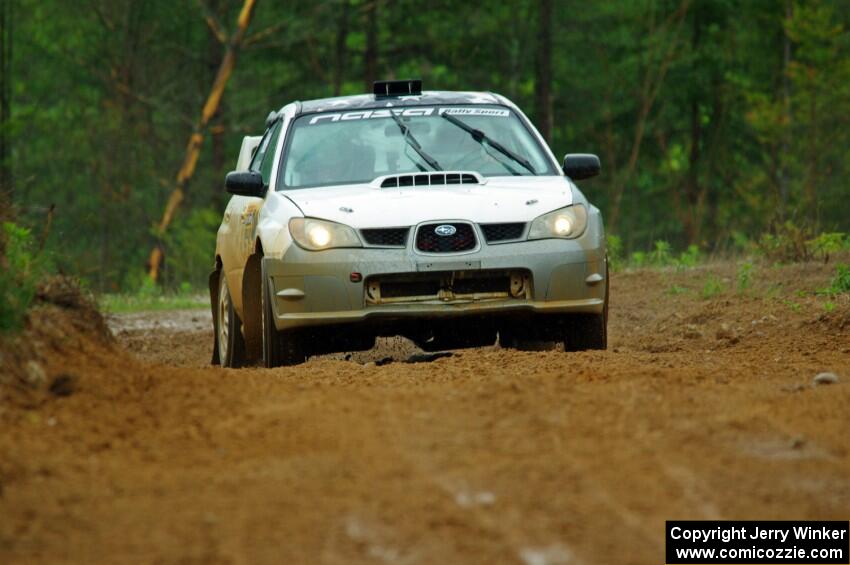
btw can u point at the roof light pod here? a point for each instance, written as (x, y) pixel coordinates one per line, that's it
(387, 88)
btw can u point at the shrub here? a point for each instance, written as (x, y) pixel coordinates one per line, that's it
(745, 277)
(23, 269)
(826, 244)
(660, 256)
(689, 258)
(712, 287)
(638, 259)
(788, 242)
(841, 280)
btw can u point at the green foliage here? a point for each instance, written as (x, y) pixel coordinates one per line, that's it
(745, 277)
(147, 300)
(189, 248)
(660, 256)
(638, 259)
(826, 244)
(19, 278)
(788, 242)
(828, 306)
(723, 151)
(614, 245)
(742, 244)
(841, 281)
(712, 288)
(689, 258)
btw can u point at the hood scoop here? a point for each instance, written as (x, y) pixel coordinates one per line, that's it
(439, 178)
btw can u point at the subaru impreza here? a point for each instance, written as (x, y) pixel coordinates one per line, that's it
(443, 217)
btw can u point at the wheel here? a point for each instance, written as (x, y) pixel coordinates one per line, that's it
(588, 331)
(279, 348)
(231, 345)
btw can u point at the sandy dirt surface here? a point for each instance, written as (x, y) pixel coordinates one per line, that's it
(700, 409)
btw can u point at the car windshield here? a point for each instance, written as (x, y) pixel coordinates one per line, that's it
(358, 146)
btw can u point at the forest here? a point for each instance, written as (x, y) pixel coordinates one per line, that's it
(721, 124)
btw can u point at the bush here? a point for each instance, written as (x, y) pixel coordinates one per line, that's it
(841, 281)
(745, 277)
(826, 244)
(660, 256)
(24, 267)
(638, 259)
(689, 258)
(787, 243)
(712, 287)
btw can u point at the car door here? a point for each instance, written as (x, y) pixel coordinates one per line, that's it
(245, 212)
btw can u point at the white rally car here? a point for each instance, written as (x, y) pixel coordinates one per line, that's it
(439, 216)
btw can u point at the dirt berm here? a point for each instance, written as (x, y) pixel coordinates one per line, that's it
(704, 407)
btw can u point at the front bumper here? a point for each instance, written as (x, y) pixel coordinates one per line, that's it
(314, 288)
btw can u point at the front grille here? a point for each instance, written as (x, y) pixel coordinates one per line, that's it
(429, 241)
(412, 288)
(502, 232)
(448, 286)
(499, 283)
(385, 237)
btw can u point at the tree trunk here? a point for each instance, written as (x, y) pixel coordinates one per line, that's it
(371, 44)
(543, 69)
(193, 148)
(341, 50)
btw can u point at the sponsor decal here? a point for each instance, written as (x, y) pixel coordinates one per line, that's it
(407, 113)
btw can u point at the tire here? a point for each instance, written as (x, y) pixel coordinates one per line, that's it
(585, 332)
(228, 327)
(588, 331)
(279, 348)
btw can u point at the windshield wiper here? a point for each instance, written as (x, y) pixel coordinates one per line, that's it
(410, 140)
(482, 138)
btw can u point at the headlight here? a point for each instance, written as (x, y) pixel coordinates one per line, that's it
(316, 235)
(567, 223)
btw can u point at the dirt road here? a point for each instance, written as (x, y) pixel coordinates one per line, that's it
(702, 408)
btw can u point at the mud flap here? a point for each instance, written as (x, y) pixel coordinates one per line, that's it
(252, 317)
(213, 282)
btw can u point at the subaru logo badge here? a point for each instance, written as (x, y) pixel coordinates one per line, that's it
(445, 230)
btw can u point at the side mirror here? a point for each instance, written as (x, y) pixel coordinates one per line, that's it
(580, 166)
(245, 183)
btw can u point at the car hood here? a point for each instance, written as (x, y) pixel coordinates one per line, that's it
(498, 199)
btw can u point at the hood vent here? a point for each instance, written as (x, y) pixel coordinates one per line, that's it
(428, 179)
